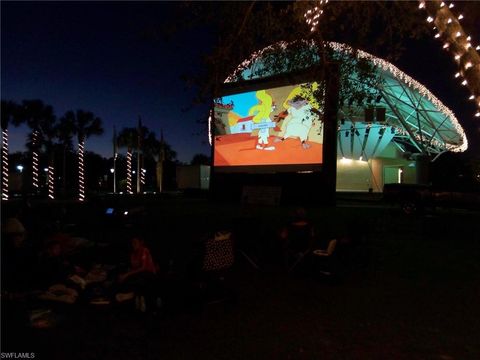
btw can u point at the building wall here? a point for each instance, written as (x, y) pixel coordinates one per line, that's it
(354, 175)
(193, 176)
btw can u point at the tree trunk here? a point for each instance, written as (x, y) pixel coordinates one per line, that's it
(81, 170)
(159, 174)
(51, 176)
(4, 164)
(129, 171)
(64, 172)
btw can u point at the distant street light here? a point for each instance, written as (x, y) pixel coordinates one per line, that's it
(20, 168)
(112, 170)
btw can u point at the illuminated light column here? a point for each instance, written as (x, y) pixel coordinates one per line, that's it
(5, 164)
(81, 171)
(51, 182)
(210, 128)
(129, 172)
(142, 175)
(35, 160)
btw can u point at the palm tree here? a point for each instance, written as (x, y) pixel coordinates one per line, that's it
(9, 116)
(128, 137)
(85, 124)
(160, 151)
(65, 131)
(39, 118)
(49, 136)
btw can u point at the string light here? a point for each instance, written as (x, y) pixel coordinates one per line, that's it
(129, 172)
(35, 160)
(4, 164)
(312, 15)
(446, 45)
(437, 36)
(51, 182)
(385, 66)
(210, 128)
(81, 170)
(477, 114)
(142, 176)
(463, 46)
(429, 19)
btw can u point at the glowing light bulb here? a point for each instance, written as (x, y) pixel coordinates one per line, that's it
(478, 47)
(464, 82)
(477, 114)
(469, 38)
(458, 34)
(460, 17)
(468, 46)
(468, 65)
(457, 74)
(446, 45)
(457, 57)
(442, 4)
(471, 97)
(429, 19)
(451, 5)
(421, 5)
(437, 36)
(449, 21)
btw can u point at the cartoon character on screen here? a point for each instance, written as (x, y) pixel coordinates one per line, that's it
(302, 108)
(261, 119)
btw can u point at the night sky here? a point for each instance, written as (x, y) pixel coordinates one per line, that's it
(94, 56)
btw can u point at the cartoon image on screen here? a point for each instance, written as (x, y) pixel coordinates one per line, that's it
(277, 126)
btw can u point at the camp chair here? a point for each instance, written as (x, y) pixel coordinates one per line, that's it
(326, 254)
(218, 259)
(330, 249)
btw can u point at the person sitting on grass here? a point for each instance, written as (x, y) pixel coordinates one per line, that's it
(58, 274)
(297, 236)
(140, 279)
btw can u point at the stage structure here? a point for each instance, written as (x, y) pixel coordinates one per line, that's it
(270, 129)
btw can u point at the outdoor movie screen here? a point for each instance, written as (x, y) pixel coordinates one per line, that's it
(276, 126)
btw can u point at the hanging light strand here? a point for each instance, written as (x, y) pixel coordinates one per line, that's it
(142, 175)
(458, 42)
(4, 164)
(312, 16)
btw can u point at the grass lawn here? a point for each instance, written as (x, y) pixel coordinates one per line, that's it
(408, 289)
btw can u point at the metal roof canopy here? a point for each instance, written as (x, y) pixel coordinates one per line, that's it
(420, 120)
